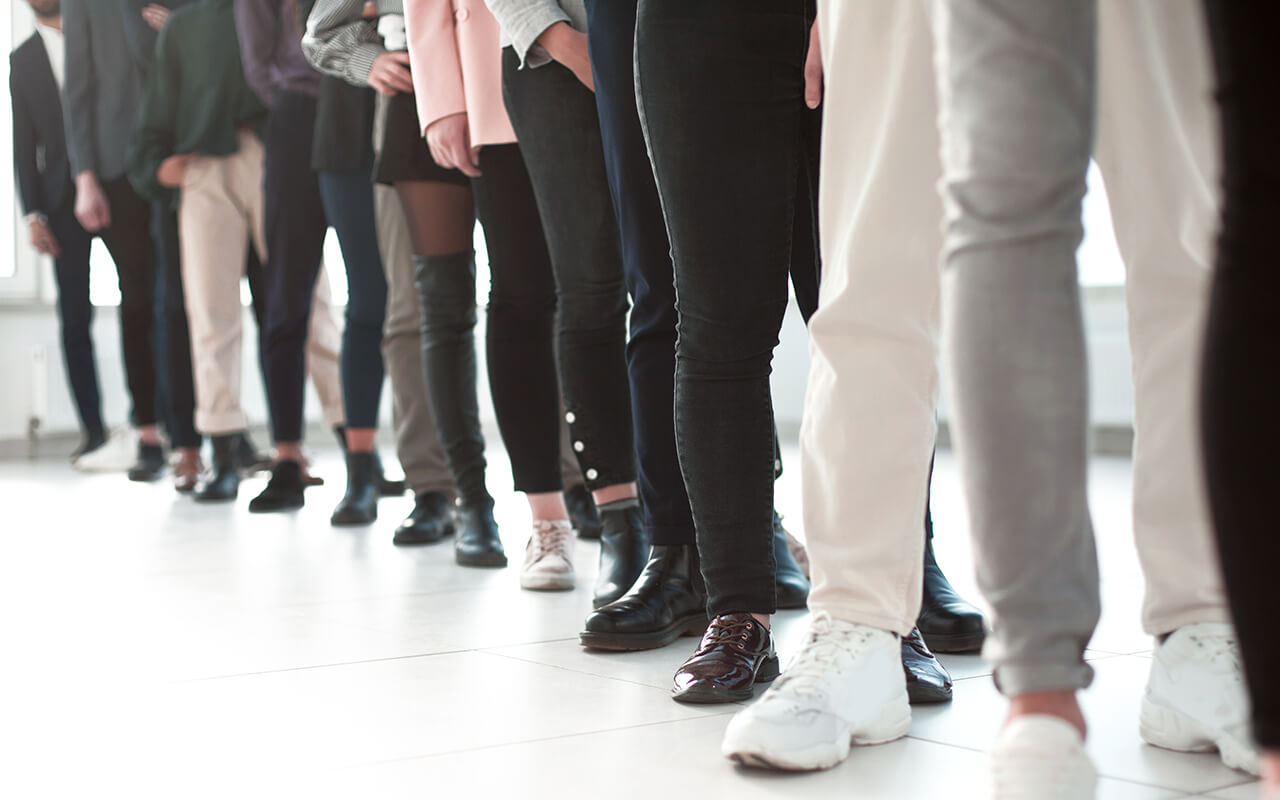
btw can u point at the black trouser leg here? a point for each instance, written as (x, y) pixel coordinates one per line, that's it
(75, 316)
(129, 242)
(173, 338)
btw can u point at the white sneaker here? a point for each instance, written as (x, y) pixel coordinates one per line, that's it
(1195, 700)
(117, 455)
(845, 687)
(1041, 757)
(548, 557)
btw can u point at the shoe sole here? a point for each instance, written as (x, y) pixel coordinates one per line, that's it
(272, 509)
(892, 725)
(480, 561)
(546, 583)
(352, 522)
(691, 625)
(1169, 729)
(700, 695)
(919, 694)
(955, 643)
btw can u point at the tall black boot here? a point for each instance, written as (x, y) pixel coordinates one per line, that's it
(359, 506)
(623, 546)
(666, 602)
(790, 583)
(222, 482)
(948, 623)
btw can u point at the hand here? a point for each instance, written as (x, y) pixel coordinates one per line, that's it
(156, 16)
(92, 209)
(43, 240)
(813, 70)
(173, 169)
(390, 74)
(450, 141)
(569, 47)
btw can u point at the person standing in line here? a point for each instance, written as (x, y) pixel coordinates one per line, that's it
(100, 95)
(1240, 434)
(440, 211)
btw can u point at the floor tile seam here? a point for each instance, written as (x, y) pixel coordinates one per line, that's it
(534, 740)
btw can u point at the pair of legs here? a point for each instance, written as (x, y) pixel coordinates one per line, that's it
(1241, 335)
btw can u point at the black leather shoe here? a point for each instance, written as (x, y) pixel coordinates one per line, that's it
(359, 506)
(791, 584)
(667, 601)
(222, 482)
(947, 622)
(623, 547)
(927, 680)
(582, 512)
(431, 520)
(478, 544)
(283, 492)
(92, 441)
(735, 654)
(150, 465)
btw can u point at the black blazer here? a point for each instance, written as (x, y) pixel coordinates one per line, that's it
(39, 138)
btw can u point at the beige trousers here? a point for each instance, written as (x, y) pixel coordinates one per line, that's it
(219, 217)
(869, 422)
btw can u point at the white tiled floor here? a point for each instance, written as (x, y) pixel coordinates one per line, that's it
(155, 648)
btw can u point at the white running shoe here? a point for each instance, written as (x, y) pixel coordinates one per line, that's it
(845, 687)
(1041, 757)
(548, 557)
(117, 455)
(1195, 700)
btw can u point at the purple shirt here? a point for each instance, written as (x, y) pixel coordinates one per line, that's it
(271, 49)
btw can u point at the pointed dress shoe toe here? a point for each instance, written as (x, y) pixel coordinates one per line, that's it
(666, 602)
(478, 543)
(284, 491)
(791, 584)
(948, 623)
(431, 520)
(927, 680)
(735, 654)
(624, 547)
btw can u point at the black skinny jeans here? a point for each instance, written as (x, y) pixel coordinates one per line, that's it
(128, 239)
(554, 117)
(721, 96)
(1241, 430)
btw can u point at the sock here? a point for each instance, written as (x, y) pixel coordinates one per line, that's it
(621, 505)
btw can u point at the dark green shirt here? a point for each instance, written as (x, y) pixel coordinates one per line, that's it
(196, 96)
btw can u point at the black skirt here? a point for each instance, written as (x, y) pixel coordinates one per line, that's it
(405, 155)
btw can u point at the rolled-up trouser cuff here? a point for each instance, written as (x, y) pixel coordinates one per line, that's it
(1024, 678)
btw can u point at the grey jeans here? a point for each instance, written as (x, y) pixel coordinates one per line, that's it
(1017, 89)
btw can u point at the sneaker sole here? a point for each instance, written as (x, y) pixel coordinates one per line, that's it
(892, 724)
(546, 583)
(692, 625)
(1169, 729)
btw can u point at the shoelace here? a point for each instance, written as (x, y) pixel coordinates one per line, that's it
(550, 538)
(825, 647)
(723, 631)
(1222, 650)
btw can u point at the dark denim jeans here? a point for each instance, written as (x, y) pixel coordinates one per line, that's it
(173, 338)
(720, 90)
(348, 204)
(554, 117)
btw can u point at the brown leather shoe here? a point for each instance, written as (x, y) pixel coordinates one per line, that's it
(735, 654)
(187, 469)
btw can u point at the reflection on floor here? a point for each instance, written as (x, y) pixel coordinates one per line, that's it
(155, 648)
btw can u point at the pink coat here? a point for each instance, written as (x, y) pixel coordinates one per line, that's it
(455, 54)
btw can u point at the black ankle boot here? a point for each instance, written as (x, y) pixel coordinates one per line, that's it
(791, 585)
(283, 492)
(385, 486)
(947, 622)
(359, 506)
(478, 544)
(623, 547)
(222, 482)
(150, 464)
(927, 680)
(582, 512)
(666, 602)
(431, 520)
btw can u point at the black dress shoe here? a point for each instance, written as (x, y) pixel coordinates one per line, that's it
(150, 465)
(927, 680)
(623, 548)
(947, 622)
(735, 654)
(283, 492)
(791, 585)
(582, 512)
(222, 483)
(359, 506)
(431, 520)
(667, 601)
(92, 441)
(478, 544)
